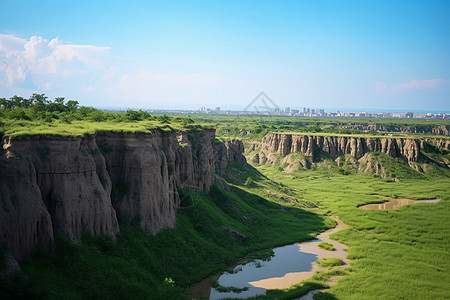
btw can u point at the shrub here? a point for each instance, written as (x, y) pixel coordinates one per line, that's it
(328, 262)
(326, 246)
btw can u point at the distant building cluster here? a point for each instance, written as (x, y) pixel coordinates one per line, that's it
(320, 112)
(304, 112)
(388, 115)
(207, 110)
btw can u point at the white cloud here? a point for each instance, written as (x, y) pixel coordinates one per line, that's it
(426, 84)
(36, 48)
(86, 71)
(11, 43)
(42, 61)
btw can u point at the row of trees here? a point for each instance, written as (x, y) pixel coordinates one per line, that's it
(38, 107)
(39, 102)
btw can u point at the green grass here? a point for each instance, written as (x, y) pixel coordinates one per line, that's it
(23, 128)
(326, 246)
(225, 289)
(328, 262)
(21, 117)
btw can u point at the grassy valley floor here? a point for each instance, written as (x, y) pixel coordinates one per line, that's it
(397, 254)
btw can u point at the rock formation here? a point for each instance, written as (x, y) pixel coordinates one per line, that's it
(292, 152)
(310, 146)
(76, 185)
(439, 143)
(229, 151)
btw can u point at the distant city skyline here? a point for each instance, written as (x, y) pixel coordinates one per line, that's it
(292, 111)
(391, 56)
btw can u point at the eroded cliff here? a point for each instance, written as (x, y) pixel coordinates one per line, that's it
(335, 146)
(76, 185)
(302, 151)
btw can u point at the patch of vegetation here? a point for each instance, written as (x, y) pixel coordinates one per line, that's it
(326, 246)
(225, 289)
(324, 276)
(328, 262)
(37, 115)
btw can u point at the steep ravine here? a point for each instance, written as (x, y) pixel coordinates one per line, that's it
(74, 185)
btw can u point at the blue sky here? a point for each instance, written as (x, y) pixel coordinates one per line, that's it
(392, 55)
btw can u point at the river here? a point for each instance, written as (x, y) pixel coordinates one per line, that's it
(290, 264)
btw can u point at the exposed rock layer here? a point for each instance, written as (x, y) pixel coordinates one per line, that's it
(334, 146)
(77, 185)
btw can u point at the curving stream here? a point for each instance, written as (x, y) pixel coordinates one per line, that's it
(290, 264)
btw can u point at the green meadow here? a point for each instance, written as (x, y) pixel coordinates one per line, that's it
(396, 254)
(20, 117)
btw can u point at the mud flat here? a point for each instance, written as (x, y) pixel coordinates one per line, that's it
(395, 203)
(290, 264)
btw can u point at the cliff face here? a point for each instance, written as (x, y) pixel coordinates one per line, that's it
(293, 152)
(76, 185)
(335, 146)
(229, 151)
(49, 185)
(440, 143)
